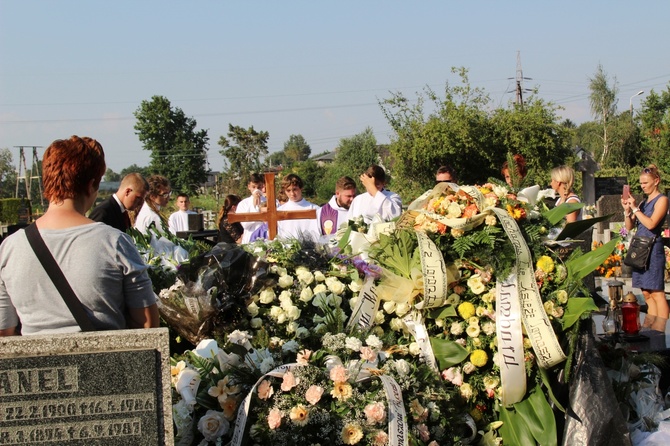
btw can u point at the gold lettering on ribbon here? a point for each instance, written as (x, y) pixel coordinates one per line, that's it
(510, 341)
(363, 315)
(435, 286)
(540, 332)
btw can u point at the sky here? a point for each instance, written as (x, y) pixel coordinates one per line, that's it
(311, 68)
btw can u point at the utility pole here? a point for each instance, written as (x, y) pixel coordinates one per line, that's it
(519, 81)
(34, 173)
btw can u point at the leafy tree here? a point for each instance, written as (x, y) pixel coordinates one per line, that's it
(178, 151)
(243, 150)
(296, 149)
(655, 129)
(311, 175)
(354, 155)
(276, 159)
(603, 105)
(134, 168)
(7, 174)
(110, 175)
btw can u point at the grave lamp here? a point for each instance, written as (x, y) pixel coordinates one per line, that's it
(614, 319)
(631, 102)
(631, 314)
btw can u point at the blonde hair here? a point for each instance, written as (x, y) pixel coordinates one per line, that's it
(565, 175)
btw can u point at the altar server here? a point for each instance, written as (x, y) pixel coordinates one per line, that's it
(377, 200)
(292, 186)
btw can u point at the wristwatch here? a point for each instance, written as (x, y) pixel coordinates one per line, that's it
(634, 210)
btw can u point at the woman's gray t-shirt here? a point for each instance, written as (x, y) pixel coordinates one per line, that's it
(101, 264)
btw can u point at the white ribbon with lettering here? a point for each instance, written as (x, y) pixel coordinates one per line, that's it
(417, 328)
(510, 341)
(243, 411)
(538, 327)
(397, 416)
(435, 286)
(363, 315)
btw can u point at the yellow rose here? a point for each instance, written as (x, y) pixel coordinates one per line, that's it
(466, 310)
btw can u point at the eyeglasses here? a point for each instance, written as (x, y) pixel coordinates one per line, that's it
(166, 194)
(443, 181)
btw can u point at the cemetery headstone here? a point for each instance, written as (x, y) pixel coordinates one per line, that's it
(110, 387)
(606, 205)
(609, 186)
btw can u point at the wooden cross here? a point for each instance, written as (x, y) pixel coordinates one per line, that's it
(271, 215)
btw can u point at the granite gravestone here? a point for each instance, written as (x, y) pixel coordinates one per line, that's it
(110, 387)
(609, 186)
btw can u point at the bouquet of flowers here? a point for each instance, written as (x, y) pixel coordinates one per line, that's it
(410, 340)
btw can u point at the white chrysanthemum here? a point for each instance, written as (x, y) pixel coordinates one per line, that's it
(353, 344)
(489, 328)
(490, 220)
(488, 297)
(500, 191)
(402, 367)
(456, 329)
(374, 342)
(439, 323)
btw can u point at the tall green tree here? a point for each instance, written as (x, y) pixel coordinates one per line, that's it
(355, 154)
(244, 150)
(110, 175)
(178, 150)
(134, 168)
(7, 174)
(603, 101)
(296, 149)
(654, 119)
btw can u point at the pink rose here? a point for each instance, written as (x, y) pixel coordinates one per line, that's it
(375, 413)
(380, 439)
(313, 394)
(368, 354)
(303, 356)
(289, 381)
(453, 375)
(339, 374)
(423, 432)
(274, 418)
(265, 390)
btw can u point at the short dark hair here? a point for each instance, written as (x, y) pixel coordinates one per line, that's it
(345, 183)
(182, 194)
(257, 178)
(292, 180)
(376, 172)
(446, 168)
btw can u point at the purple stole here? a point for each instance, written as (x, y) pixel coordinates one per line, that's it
(328, 220)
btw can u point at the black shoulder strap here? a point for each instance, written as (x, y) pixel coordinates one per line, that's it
(58, 278)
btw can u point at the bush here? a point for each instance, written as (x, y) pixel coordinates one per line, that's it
(9, 209)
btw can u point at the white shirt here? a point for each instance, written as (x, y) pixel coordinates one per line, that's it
(178, 221)
(302, 228)
(247, 206)
(341, 215)
(385, 203)
(145, 217)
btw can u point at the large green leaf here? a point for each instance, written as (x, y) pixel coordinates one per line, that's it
(574, 229)
(575, 308)
(536, 412)
(448, 353)
(514, 429)
(530, 422)
(558, 213)
(581, 266)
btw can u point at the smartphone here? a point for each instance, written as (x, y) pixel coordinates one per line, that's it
(626, 192)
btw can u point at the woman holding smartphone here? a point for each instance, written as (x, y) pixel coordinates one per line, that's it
(648, 218)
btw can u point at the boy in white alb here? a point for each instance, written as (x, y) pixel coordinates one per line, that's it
(376, 200)
(252, 204)
(178, 221)
(301, 229)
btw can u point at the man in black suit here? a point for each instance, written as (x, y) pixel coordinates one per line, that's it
(130, 196)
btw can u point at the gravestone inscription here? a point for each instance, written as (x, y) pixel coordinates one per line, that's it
(609, 186)
(110, 388)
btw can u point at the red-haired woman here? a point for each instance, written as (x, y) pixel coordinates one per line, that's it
(101, 263)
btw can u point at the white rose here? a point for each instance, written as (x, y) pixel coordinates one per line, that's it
(306, 294)
(293, 312)
(285, 281)
(320, 288)
(414, 349)
(397, 324)
(334, 285)
(252, 308)
(474, 320)
(291, 327)
(281, 318)
(278, 270)
(275, 311)
(256, 322)
(454, 210)
(353, 301)
(353, 344)
(439, 323)
(476, 284)
(402, 309)
(267, 296)
(334, 300)
(356, 285)
(304, 275)
(285, 296)
(213, 425)
(469, 368)
(453, 299)
(379, 317)
(389, 307)
(456, 328)
(318, 276)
